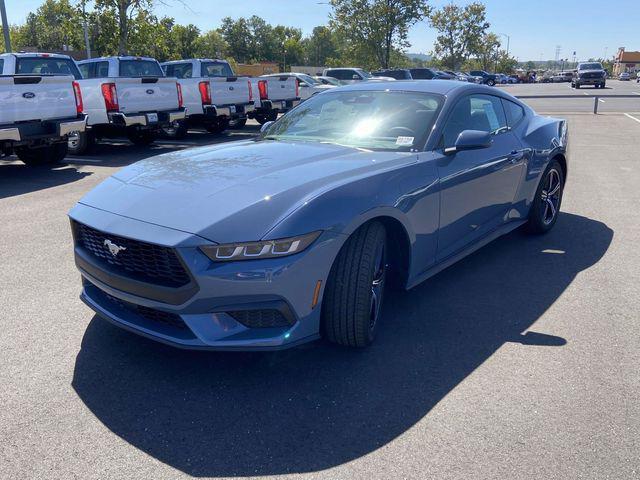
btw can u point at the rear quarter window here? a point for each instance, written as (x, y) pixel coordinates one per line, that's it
(515, 113)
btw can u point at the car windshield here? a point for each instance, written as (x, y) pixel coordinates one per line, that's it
(216, 69)
(590, 66)
(308, 79)
(47, 66)
(371, 120)
(140, 68)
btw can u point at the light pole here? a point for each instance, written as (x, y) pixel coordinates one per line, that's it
(508, 41)
(5, 27)
(86, 30)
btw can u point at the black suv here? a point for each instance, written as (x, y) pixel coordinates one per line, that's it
(590, 73)
(397, 73)
(487, 78)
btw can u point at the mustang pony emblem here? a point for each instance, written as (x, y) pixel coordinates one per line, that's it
(113, 248)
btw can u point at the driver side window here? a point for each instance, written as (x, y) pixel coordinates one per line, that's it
(474, 112)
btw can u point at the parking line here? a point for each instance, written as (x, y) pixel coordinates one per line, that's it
(632, 117)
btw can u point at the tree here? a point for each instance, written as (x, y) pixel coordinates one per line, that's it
(124, 12)
(320, 46)
(51, 27)
(211, 45)
(487, 51)
(236, 34)
(184, 40)
(460, 33)
(376, 27)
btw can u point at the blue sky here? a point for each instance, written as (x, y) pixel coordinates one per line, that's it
(535, 26)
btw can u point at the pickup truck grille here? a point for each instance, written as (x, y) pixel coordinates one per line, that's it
(137, 260)
(591, 75)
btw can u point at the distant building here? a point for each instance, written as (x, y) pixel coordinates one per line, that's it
(257, 69)
(626, 62)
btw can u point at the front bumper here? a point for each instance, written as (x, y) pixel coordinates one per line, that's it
(590, 81)
(28, 132)
(147, 119)
(204, 317)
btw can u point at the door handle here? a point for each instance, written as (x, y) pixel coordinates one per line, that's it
(516, 155)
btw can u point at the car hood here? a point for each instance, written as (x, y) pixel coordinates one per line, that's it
(237, 191)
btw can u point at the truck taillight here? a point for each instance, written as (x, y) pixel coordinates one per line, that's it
(262, 88)
(110, 95)
(205, 92)
(180, 100)
(297, 88)
(250, 91)
(78, 93)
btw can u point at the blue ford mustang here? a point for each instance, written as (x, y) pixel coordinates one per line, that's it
(271, 242)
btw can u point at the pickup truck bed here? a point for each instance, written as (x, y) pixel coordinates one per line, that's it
(273, 95)
(37, 114)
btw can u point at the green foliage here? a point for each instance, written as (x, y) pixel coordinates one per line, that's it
(461, 33)
(372, 29)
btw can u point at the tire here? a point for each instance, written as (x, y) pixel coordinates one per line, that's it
(217, 127)
(141, 137)
(491, 82)
(261, 119)
(49, 155)
(176, 133)
(81, 143)
(354, 294)
(577, 85)
(542, 217)
(239, 123)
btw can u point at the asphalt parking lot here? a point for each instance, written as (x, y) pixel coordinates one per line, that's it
(519, 362)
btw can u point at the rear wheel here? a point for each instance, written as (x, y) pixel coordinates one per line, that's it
(47, 155)
(141, 137)
(355, 289)
(217, 127)
(81, 143)
(178, 131)
(546, 203)
(238, 123)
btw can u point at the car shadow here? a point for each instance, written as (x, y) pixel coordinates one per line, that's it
(120, 152)
(318, 406)
(17, 178)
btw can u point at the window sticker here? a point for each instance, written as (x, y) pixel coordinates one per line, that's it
(404, 141)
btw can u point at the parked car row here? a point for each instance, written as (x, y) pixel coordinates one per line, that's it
(52, 105)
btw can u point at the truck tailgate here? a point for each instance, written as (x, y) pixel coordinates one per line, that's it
(146, 94)
(35, 97)
(230, 90)
(280, 88)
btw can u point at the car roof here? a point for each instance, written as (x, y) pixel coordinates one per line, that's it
(34, 54)
(123, 57)
(442, 87)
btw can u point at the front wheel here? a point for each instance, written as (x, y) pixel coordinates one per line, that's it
(546, 203)
(491, 83)
(48, 155)
(353, 297)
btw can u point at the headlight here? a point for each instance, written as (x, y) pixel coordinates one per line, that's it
(256, 250)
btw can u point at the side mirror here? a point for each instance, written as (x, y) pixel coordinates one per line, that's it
(265, 126)
(470, 140)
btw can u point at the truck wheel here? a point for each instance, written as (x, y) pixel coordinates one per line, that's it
(81, 143)
(491, 82)
(141, 137)
(353, 297)
(35, 156)
(239, 123)
(178, 132)
(261, 119)
(217, 127)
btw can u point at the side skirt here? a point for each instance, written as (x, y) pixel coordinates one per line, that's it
(447, 262)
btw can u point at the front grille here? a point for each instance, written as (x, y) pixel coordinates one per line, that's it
(137, 260)
(591, 75)
(260, 318)
(151, 314)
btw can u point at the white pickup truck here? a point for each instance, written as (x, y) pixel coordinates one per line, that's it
(126, 95)
(40, 105)
(272, 95)
(213, 95)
